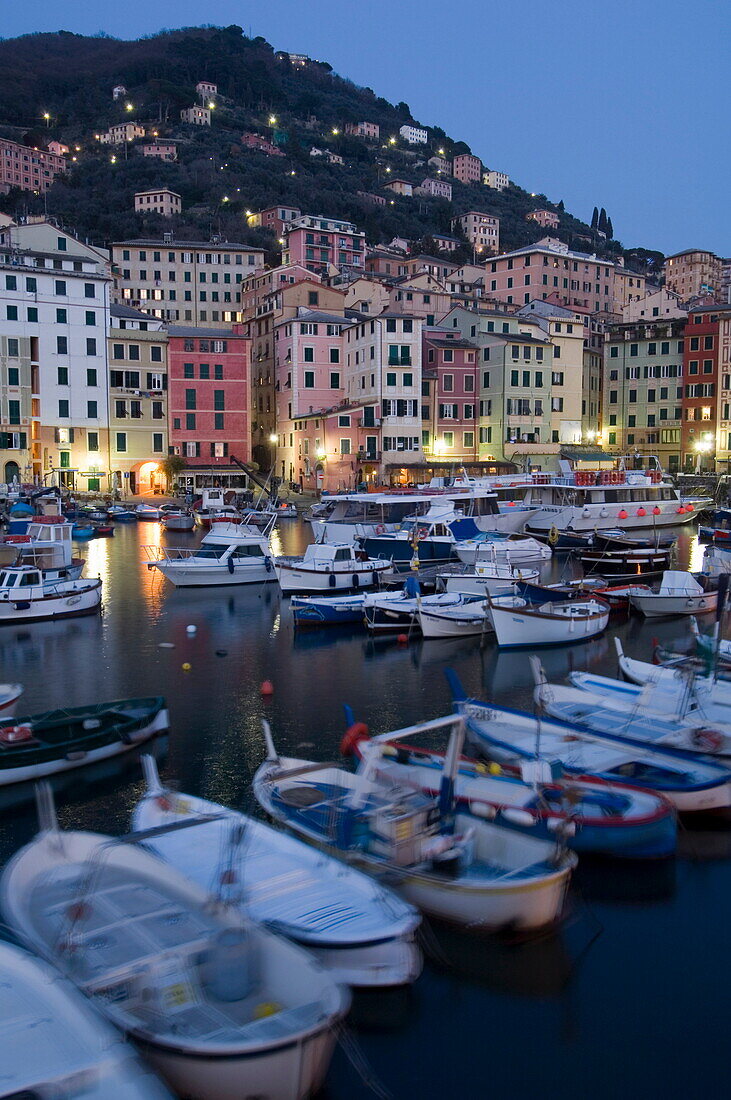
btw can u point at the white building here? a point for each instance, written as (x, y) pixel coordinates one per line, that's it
(197, 116)
(118, 91)
(497, 180)
(414, 135)
(159, 201)
(206, 90)
(54, 301)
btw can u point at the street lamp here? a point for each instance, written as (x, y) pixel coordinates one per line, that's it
(320, 453)
(129, 106)
(273, 438)
(272, 120)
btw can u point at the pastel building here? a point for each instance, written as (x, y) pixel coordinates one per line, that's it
(400, 187)
(27, 168)
(547, 218)
(320, 243)
(369, 130)
(274, 218)
(161, 201)
(466, 168)
(693, 273)
(629, 286)
(209, 399)
(481, 230)
(414, 135)
(449, 398)
(206, 90)
(162, 148)
(122, 133)
(196, 116)
(548, 267)
(438, 189)
(441, 164)
(498, 181)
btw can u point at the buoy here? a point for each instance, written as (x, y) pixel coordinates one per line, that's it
(641, 512)
(352, 736)
(656, 511)
(622, 514)
(186, 667)
(191, 629)
(166, 645)
(222, 653)
(402, 639)
(267, 687)
(494, 768)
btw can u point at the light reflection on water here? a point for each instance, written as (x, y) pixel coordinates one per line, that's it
(612, 970)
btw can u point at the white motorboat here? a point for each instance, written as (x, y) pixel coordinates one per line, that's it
(514, 551)
(47, 545)
(220, 1007)
(450, 864)
(509, 736)
(213, 506)
(488, 578)
(230, 553)
(519, 623)
(56, 1044)
(180, 520)
(9, 695)
(25, 597)
(459, 621)
(327, 567)
(679, 593)
(147, 511)
(360, 931)
(717, 560)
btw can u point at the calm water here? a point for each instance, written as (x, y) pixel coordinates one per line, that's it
(628, 997)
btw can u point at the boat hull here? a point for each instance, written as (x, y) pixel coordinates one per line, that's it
(656, 606)
(183, 575)
(296, 578)
(50, 606)
(515, 627)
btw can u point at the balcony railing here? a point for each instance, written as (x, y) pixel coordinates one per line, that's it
(399, 362)
(369, 456)
(363, 423)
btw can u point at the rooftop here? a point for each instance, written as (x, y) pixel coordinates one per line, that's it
(150, 242)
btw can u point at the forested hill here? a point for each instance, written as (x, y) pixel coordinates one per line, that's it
(69, 78)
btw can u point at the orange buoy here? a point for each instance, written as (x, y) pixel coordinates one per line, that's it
(352, 736)
(403, 639)
(267, 687)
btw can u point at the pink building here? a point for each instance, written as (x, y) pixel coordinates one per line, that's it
(466, 168)
(439, 189)
(162, 149)
(450, 389)
(274, 218)
(547, 218)
(319, 243)
(209, 396)
(549, 268)
(260, 144)
(369, 130)
(400, 187)
(27, 168)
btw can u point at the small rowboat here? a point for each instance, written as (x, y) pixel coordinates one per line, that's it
(519, 623)
(679, 593)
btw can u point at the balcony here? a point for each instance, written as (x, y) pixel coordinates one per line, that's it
(368, 456)
(399, 362)
(374, 423)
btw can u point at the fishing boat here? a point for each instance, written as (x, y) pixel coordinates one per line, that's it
(426, 539)
(717, 560)
(180, 520)
(326, 567)
(47, 546)
(396, 612)
(516, 551)
(534, 798)
(618, 539)
(103, 531)
(450, 864)
(58, 1045)
(230, 553)
(557, 622)
(460, 621)
(679, 593)
(487, 578)
(328, 610)
(624, 563)
(287, 510)
(219, 1006)
(120, 514)
(24, 597)
(719, 530)
(359, 931)
(147, 512)
(710, 646)
(616, 595)
(39, 745)
(509, 736)
(212, 505)
(677, 677)
(635, 714)
(83, 532)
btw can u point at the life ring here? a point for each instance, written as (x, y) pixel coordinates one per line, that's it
(707, 739)
(352, 737)
(380, 529)
(422, 533)
(10, 735)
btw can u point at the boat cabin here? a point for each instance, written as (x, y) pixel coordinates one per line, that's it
(22, 577)
(324, 555)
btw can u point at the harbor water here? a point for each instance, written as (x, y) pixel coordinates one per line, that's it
(627, 996)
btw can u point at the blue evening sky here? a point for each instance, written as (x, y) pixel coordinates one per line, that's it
(621, 104)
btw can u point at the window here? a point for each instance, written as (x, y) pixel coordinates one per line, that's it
(11, 313)
(157, 443)
(448, 383)
(557, 378)
(391, 378)
(334, 355)
(61, 317)
(190, 422)
(308, 355)
(468, 440)
(204, 370)
(707, 343)
(469, 412)
(218, 372)
(60, 287)
(344, 421)
(448, 439)
(63, 408)
(557, 404)
(91, 410)
(188, 371)
(32, 314)
(14, 412)
(390, 325)
(13, 376)
(120, 442)
(90, 317)
(155, 354)
(92, 441)
(219, 400)
(190, 399)
(63, 376)
(134, 351)
(345, 446)
(309, 380)
(613, 351)
(334, 380)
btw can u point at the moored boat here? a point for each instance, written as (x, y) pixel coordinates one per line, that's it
(450, 864)
(396, 612)
(487, 578)
(557, 622)
(147, 511)
(220, 1007)
(181, 520)
(679, 593)
(514, 550)
(358, 930)
(325, 567)
(25, 597)
(230, 553)
(625, 563)
(460, 621)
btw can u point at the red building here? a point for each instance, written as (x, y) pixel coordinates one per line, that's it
(209, 397)
(450, 391)
(700, 387)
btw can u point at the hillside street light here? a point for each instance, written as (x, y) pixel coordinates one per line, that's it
(47, 117)
(211, 106)
(129, 106)
(272, 120)
(273, 438)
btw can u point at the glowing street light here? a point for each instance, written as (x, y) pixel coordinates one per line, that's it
(272, 120)
(320, 453)
(335, 131)
(392, 141)
(112, 160)
(211, 106)
(273, 438)
(129, 106)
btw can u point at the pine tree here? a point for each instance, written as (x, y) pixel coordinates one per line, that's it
(560, 206)
(610, 229)
(602, 224)
(594, 218)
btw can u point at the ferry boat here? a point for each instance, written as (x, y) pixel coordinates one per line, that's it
(629, 496)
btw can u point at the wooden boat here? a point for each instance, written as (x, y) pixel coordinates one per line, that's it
(562, 622)
(326, 567)
(679, 678)
(590, 815)
(679, 593)
(120, 514)
(618, 539)
(361, 932)
(228, 554)
(460, 621)
(616, 595)
(103, 530)
(25, 597)
(56, 1044)
(625, 563)
(509, 736)
(396, 612)
(487, 578)
(220, 1007)
(147, 512)
(513, 550)
(39, 745)
(82, 532)
(450, 864)
(178, 521)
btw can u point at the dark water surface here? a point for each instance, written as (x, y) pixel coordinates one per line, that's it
(627, 998)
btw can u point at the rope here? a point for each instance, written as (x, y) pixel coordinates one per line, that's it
(359, 1062)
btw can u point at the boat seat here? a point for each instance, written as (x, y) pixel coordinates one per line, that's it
(301, 797)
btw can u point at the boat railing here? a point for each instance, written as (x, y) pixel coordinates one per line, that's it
(157, 554)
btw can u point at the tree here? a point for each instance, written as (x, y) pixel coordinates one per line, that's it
(602, 224)
(560, 206)
(595, 218)
(171, 467)
(610, 229)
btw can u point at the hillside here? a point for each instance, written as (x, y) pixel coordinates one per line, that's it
(70, 78)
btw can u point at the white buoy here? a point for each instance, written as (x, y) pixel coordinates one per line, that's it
(191, 629)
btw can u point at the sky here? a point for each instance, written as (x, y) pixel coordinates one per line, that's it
(620, 104)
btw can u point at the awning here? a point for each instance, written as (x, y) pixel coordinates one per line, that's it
(587, 454)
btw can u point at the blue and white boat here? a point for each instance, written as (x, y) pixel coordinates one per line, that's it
(426, 539)
(451, 864)
(508, 736)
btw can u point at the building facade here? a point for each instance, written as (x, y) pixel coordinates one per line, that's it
(547, 218)
(160, 148)
(481, 230)
(319, 243)
(693, 273)
(549, 267)
(414, 135)
(122, 133)
(162, 201)
(196, 116)
(274, 218)
(497, 180)
(26, 168)
(371, 131)
(437, 189)
(466, 168)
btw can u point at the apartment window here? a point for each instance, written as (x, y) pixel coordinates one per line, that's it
(694, 343)
(190, 399)
(11, 313)
(190, 422)
(218, 372)
(631, 420)
(707, 343)
(486, 379)
(219, 399)
(448, 355)
(708, 366)
(155, 354)
(334, 380)
(308, 355)
(92, 441)
(63, 376)
(391, 378)
(91, 345)
(61, 317)
(120, 442)
(448, 383)
(134, 351)
(557, 404)
(13, 376)
(468, 440)
(91, 410)
(157, 412)
(63, 408)
(188, 371)
(89, 290)
(345, 446)
(557, 378)
(204, 370)
(390, 325)
(157, 443)
(613, 351)
(632, 397)
(117, 351)
(60, 287)
(32, 314)
(120, 409)
(90, 317)
(14, 412)
(309, 380)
